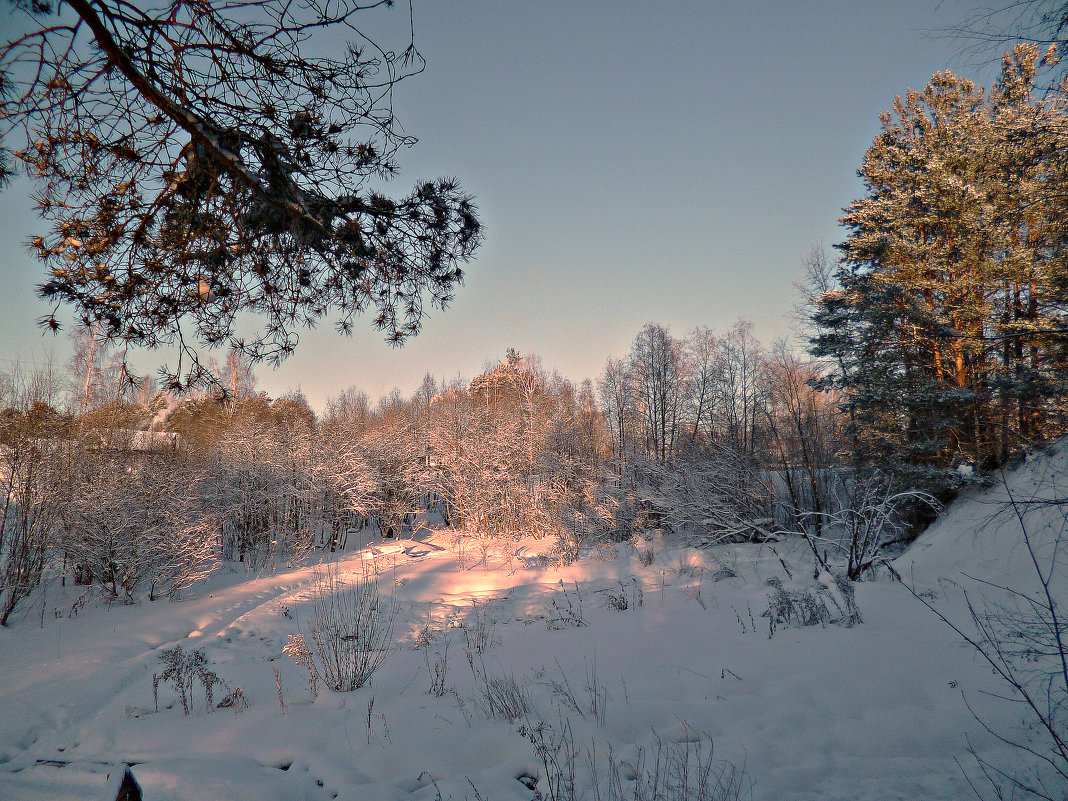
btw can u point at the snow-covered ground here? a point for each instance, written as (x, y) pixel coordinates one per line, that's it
(872, 711)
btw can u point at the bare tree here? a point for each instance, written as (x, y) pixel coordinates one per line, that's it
(352, 481)
(998, 26)
(96, 377)
(196, 162)
(616, 401)
(237, 377)
(506, 455)
(659, 372)
(706, 364)
(24, 384)
(390, 446)
(146, 388)
(801, 424)
(351, 408)
(476, 463)
(426, 392)
(742, 356)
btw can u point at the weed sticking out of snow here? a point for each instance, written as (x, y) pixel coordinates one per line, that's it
(829, 601)
(629, 595)
(591, 703)
(502, 696)
(646, 555)
(689, 565)
(184, 672)
(565, 608)
(238, 701)
(439, 671)
(480, 629)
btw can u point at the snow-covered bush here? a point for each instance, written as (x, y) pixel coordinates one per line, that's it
(868, 514)
(713, 498)
(31, 475)
(133, 521)
(515, 454)
(351, 629)
(260, 484)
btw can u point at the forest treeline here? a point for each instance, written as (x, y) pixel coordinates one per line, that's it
(142, 494)
(938, 349)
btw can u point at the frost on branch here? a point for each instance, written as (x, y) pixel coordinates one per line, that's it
(133, 524)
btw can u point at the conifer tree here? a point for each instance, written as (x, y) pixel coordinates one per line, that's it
(946, 325)
(199, 162)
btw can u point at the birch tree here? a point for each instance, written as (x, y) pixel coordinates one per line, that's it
(658, 374)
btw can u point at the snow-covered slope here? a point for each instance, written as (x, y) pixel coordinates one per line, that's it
(981, 534)
(874, 711)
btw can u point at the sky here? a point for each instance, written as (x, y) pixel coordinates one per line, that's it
(633, 162)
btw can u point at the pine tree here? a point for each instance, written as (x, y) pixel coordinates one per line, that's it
(945, 326)
(197, 162)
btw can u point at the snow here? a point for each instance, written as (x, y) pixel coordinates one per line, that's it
(874, 711)
(981, 535)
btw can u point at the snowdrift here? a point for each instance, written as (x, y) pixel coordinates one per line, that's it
(981, 535)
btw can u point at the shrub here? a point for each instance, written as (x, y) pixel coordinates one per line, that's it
(352, 629)
(183, 671)
(830, 600)
(871, 516)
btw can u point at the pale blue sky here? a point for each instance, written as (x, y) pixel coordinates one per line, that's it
(633, 162)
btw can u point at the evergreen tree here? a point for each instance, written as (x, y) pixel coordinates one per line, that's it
(945, 326)
(197, 162)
